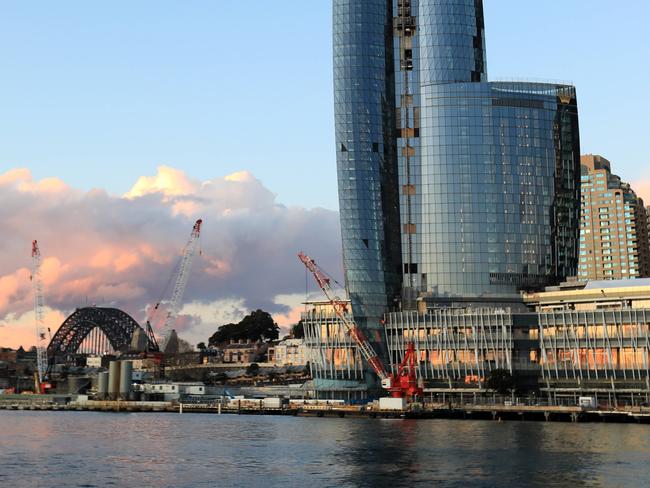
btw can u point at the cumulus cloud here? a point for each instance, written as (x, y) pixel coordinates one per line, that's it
(120, 250)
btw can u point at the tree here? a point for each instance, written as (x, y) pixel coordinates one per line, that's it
(225, 333)
(201, 346)
(260, 325)
(501, 381)
(257, 325)
(298, 330)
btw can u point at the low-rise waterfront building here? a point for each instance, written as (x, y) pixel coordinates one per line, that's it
(592, 295)
(212, 355)
(94, 362)
(578, 338)
(289, 352)
(167, 391)
(244, 351)
(594, 338)
(8, 355)
(459, 348)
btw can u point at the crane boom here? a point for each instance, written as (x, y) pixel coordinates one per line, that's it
(181, 281)
(39, 315)
(340, 308)
(403, 384)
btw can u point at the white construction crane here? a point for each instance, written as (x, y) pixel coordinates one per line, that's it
(180, 284)
(39, 314)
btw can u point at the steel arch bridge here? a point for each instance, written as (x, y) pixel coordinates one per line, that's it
(118, 328)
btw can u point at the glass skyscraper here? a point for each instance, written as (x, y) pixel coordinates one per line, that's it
(364, 97)
(451, 188)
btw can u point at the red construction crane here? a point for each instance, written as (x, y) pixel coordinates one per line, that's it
(404, 383)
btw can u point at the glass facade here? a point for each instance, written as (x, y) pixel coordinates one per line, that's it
(435, 42)
(596, 345)
(453, 345)
(449, 40)
(495, 186)
(366, 158)
(449, 186)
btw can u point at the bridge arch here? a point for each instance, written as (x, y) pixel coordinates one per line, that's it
(117, 326)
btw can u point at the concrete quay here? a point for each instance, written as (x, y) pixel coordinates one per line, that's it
(499, 412)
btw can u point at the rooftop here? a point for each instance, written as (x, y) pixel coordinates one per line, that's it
(626, 283)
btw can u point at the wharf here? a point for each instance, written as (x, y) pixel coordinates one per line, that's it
(497, 412)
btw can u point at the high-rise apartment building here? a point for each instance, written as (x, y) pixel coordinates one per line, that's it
(647, 220)
(643, 222)
(613, 225)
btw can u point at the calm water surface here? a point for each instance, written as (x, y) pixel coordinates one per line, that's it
(86, 449)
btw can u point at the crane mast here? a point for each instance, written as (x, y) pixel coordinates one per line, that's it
(39, 315)
(181, 282)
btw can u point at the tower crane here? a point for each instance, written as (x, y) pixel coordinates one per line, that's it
(39, 315)
(180, 284)
(402, 384)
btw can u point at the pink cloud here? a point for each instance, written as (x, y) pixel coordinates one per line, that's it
(120, 250)
(16, 331)
(13, 285)
(287, 319)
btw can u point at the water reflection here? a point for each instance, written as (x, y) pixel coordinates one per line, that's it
(94, 449)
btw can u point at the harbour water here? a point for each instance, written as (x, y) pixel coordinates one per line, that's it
(87, 449)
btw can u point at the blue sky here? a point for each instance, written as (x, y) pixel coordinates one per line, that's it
(99, 94)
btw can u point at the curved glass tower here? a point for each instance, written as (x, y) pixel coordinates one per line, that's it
(452, 189)
(364, 91)
(449, 39)
(496, 188)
